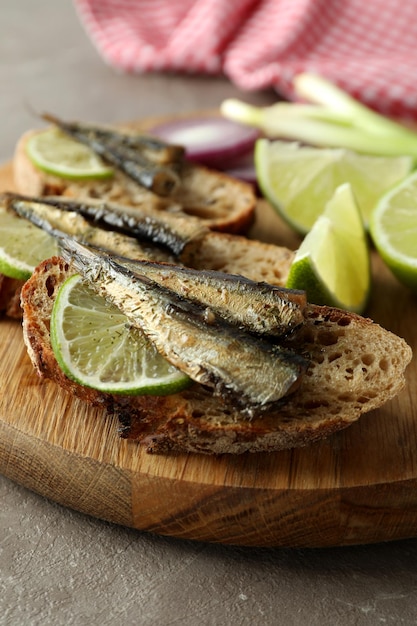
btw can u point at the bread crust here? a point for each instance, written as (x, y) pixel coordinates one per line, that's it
(346, 378)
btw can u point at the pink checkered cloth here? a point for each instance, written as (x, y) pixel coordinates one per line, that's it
(367, 47)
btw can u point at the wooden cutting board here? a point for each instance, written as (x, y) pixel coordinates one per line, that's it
(359, 486)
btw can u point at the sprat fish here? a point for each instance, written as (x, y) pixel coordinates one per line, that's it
(148, 161)
(252, 306)
(255, 373)
(178, 233)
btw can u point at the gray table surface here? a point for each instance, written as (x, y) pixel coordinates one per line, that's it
(60, 567)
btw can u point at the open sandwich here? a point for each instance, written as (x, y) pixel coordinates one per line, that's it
(269, 370)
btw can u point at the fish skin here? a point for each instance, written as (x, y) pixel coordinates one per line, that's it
(252, 372)
(150, 165)
(255, 307)
(59, 223)
(179, 233)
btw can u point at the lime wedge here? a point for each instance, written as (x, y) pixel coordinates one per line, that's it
(96, 346)
(22, 246)
(393, 229)
(299, 180)
(55, 153)
(333, 264)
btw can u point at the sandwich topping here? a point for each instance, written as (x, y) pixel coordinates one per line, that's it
(255, 373)
(252, 306)
(221, 330)
(179, 233)
(148, 161)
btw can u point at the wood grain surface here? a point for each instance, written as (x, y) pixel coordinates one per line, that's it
(359, 486)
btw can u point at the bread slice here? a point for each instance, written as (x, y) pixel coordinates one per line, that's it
(356, 366)
(222, 203)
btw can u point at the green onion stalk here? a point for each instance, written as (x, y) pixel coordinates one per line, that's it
(331, 118)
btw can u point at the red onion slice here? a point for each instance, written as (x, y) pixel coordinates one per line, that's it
(212, 141)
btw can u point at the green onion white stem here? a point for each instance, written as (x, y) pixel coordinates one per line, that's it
(322, 92)
(334, 119)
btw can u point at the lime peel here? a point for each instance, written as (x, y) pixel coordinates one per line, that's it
(393, 229)
(22, 246)
(96, 346)
(333, 263)
(53, 152)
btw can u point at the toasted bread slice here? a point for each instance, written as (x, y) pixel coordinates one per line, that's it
(222, 203)
(356, 366)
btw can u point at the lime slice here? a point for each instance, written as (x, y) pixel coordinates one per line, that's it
(96, 346)
(299, 180)
(22, 246)
(55, 153)
(333, 264)
(394, 230)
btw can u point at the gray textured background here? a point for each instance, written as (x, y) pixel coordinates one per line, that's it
(60, 567)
